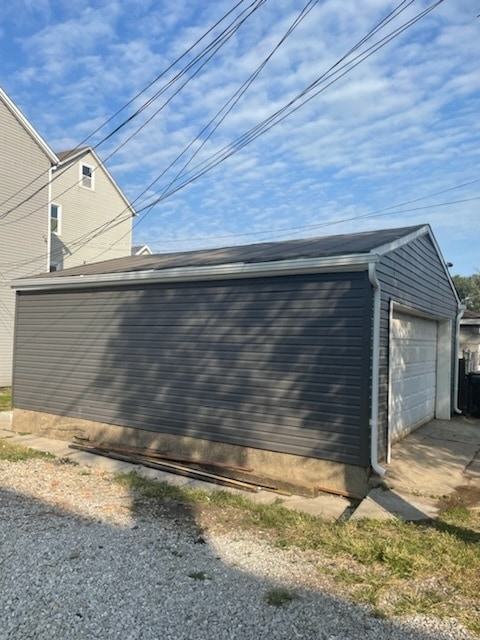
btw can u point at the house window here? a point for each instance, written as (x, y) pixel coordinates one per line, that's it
(86, 176)
(53, 267)
(55, 218)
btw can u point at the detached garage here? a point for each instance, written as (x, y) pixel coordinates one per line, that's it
(303, 359)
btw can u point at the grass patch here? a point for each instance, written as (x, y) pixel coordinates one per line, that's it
(16, 453)
(198, 575)
(393, 566)
(5, 398)
(279, 597)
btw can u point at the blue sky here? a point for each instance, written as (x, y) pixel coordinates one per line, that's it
(403, 125)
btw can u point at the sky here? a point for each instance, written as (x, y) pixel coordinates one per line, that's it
(391, 141)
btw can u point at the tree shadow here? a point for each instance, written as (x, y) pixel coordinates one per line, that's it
(67, 575)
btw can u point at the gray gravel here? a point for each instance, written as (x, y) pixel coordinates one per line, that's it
(77, 561)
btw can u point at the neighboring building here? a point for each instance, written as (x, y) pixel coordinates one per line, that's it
(141, 250)
(85, 201)
(470, 340)
(303, 359)
(39, 188)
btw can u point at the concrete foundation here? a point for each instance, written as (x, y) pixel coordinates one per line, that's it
(298, 474)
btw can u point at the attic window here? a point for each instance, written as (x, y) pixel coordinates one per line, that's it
(86, 176)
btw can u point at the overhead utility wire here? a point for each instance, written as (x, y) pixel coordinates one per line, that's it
(363, 56)
(273, 120)
(394, 13)
(212, 48)
(391, 16)
(222, 113)
(127, 104)
(215, 44)
(357, 60)
(230, 103)
(386, 210)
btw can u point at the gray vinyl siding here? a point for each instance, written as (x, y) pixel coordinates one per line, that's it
(271, 363)
(414, 276)
(24, 229)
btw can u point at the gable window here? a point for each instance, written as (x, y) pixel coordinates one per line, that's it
(55, 218)
(86, 176)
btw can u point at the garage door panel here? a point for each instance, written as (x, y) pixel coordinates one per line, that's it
(413, 364)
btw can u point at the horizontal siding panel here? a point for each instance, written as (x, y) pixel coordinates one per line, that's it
(258, 400)
(274, 363)
(227, 413)
(294, 382)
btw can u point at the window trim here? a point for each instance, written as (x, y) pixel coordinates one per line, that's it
(90, 187)
(58, 230)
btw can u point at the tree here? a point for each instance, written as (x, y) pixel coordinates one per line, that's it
(468, 289)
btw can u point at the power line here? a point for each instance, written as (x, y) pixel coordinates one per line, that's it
(215, 45)
(257, 130)
(386, 210)
(275, 119)
(268, 123)
(131, 101)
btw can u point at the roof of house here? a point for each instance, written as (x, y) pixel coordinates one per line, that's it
(323, 247)
(71, 154)
(141, 249)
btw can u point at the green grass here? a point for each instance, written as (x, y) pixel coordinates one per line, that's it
(279, 597)
(389, 562)
(16, 453)
(5, 398)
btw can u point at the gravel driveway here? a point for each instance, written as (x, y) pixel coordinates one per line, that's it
(78, 561)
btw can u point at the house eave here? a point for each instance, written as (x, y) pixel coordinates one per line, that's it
(52, 156)
(353, 262)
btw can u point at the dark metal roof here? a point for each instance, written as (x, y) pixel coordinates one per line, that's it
(63, 155)
(327, 246)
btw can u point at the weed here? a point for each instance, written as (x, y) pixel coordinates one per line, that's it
(5, 398)
(69, 461)
(198, 575)
(279, 597)
(16, 453)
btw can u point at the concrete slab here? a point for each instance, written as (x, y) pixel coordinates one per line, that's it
(328, 507)
(370, 509)
(403, 506)
(432, 462)
(6, 418)
(58, 448)
(100, 462)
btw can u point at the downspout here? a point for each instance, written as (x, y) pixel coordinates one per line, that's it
(49, 234)
(461, 309)
(377, 294)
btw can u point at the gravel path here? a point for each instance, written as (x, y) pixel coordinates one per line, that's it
(78, 561)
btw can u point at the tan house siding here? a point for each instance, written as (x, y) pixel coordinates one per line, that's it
(24, 231)
(84, 211)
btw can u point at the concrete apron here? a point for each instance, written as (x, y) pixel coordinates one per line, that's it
(435, 466)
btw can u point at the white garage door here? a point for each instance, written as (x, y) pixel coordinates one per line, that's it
(413, 367)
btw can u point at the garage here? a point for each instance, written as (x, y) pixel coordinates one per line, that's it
(296, 359)
(413, 372)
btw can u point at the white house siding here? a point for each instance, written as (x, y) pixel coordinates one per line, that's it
(24, 231)
(83, 211)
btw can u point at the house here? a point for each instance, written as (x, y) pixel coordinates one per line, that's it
(90, 218)
(303, 359)
(141, 250)
(48, 211)
(470, 340)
